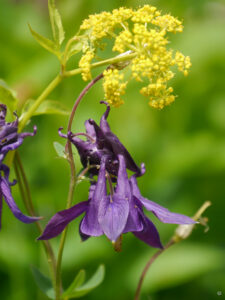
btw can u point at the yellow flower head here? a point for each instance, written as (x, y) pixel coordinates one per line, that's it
(114, 87)
(85, 64)
(142, 32)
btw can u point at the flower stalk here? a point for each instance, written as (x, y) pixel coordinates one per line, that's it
(73, 180)
(182, 232)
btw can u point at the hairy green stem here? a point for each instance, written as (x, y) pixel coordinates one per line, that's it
(26, 196)
(73, 181)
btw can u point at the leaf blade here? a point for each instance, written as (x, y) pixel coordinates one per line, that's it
(78, 280)
(43, 282)
(49, 45)
(7, 97)
(92, 283)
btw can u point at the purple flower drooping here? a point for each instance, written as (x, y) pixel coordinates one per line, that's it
(102, 142)
(116, 213)
(10, 139)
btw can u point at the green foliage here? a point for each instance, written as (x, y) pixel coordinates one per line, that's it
(76, 290)
(7, 96)
(60, 149)
(56, 23)
(43, 282)
(47, 107)
(46, 43)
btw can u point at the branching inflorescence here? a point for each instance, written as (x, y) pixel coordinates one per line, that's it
(144, 33)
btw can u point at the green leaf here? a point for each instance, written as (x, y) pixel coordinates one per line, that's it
(56, 23)
(78, 280)
(45, 43)
(47, 107)
(43, 282)
(60, 149)
(92, 283)
(7, 96)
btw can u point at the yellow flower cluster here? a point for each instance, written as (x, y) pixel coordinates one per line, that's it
(144, 33)
(160, 95)
(114, 87)
(85, 64)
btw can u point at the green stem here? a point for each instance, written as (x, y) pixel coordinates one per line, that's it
(109, 61)
(26, 196)
(147, 266)
(73, 181)
(53, 84)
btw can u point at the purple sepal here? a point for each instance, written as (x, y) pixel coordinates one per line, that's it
(6, 193)
(162, 213)
(149, 234)
(61, 219)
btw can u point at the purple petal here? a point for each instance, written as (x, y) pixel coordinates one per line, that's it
(26, 134)
(89, 225)
(60, 220)
(90, 130)
(149, 234)
(162, 213)
(6, 192)
(115, 143)
(113, 214)
(3, 111)
(103, 123)
(134, 220)
(12, 146)
(123, 186)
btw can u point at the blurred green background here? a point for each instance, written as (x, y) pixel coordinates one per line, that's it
(183, 147)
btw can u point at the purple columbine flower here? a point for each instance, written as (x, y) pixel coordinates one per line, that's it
(101, 142)
(10, 139)
(116, 213)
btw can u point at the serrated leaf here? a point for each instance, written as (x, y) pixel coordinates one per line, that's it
(60, 149)
(56, 23)
(43, 282)
(45, 43)
(92, 283)
(78, 280)
(7, 96)
(47, 107)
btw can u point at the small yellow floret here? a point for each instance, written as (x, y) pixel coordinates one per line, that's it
(145, 14)
(85, 64)
(183, 62)
(168, 23)
(114, 87)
